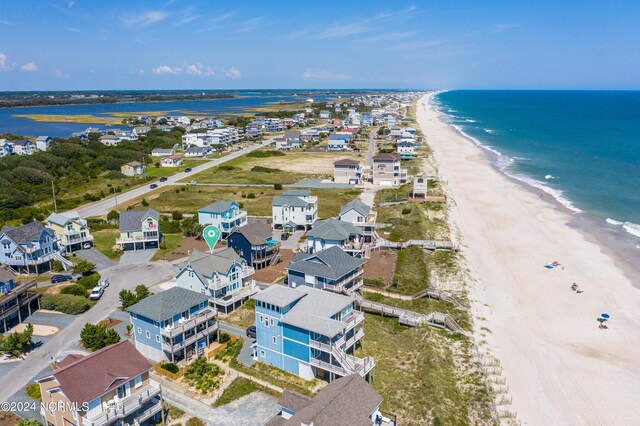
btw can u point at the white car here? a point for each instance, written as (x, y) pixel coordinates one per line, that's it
(96, 293)
(86, 246)
(104, 282)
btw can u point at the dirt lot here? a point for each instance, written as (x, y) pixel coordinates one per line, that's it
(187, 246)
(317, 163)
(272, 273)
(381, 265)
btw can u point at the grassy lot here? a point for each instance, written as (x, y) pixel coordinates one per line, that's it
(409, 222)
(278, 377)
(424, 376)
(104, 241)
(393, 194)
(239, 388)
(413, 166)
(192, 198)
(242, 317)
(412, 273)
(171, 242)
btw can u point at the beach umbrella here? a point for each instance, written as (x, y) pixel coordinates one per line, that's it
(605, 316)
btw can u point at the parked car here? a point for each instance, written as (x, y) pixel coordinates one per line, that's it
(153, 186)
(96, 293)
(104, 282)
(60, 278)
(251, 332)
(284, 236)
(86, 246)
(193, 182)
(163, 179)
(187, 170)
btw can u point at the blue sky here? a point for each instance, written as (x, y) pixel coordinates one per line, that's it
(181, 44)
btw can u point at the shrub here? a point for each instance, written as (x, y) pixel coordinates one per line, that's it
(33, 390)
(89, 282)
(194, 421)
(202, 375)
(76, 290)
(65, 303)
(224, 338)
(29, 422)
(117, 250)
(176, 215)
(170, 226)
(56, 266)
(226, 167)
(262, 169)
(145, 202)
(406, 210)
(265, 154)
(170, 367)
(128, 297)
(277, 186)
(113, 215)
(251, 195)
(96, 336)
(83, 267)
(17, 343)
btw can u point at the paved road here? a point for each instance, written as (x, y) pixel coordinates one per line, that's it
(120, 277)
(103, 207)
(372, 145)
(93, 255)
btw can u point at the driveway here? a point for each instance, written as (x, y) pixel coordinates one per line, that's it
(120, 277)
(133, 256)
(93, 255)
(292, 242)
(246, 354)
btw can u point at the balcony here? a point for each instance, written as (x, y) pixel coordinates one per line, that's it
(241, 294)
(143, 239)
(340, 285)
(178, 346)
(76, 238)
(118, 410)
(181, 327)
(247, 272)
(354, 319)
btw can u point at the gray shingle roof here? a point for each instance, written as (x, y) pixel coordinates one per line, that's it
(349, 400)
(26, 233)
(206, 264)
(62, 219)
(6, 275)
(357, 205)
(329, 263)
(131, 221)
(168, 303)
(292, 201)
(334, 230)
(278, 295)
(297, 193)
(218, 206)
(313, 312)
(256, 233)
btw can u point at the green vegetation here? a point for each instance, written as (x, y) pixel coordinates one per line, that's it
(412, 274)
(29, 422)
(242, 317)
(173, 412)
(65, 303)
(202, 375)
(231, 350)
(194, 421)
(76, 290)
(411, 225)
(81, 171)
(393, 194)
(444, 262)
(97, 336)
(428, 368)
(413, 166)
(104, 241)
(330, 200)
(128, 297)
(277, 377)
(17, 343)
(83, 267)
(246, 170)
(169, 244)
(33, 390)
(238, 388)
(374, 282)
(170, 367)
(265, 153)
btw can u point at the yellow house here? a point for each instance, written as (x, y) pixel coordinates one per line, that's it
(71, 230)
(133, 169)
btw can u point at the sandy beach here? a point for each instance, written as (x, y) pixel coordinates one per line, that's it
(559, 366)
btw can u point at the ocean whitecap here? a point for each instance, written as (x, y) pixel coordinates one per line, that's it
(614, 222)
(632, 228)
(548, 177)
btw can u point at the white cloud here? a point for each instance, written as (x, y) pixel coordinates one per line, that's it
(346, 29)
(233, 72)
(193, 69)
(60, 74)
(318, 74)
(3, 62)
(186, 20)
(213, 22)
(30, 67)
(144, 19)
(389, 36)
(500, 28)
(165, 69)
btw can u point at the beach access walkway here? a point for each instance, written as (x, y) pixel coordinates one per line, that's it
(425, 244)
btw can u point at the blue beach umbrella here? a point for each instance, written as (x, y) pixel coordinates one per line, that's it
(605, 316)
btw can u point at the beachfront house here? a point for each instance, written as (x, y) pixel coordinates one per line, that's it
(23, 147)
(406, 148)
(71, 230)
(175, 325)
(361, 215)
(309, 332)
(43, 142)
(295, 208)
(139, 230)
(348, 400)
(338, 141)
(226, 215)
(386, 170)
(336, 233)
(255, 244)
(223, 276)
(17, 300)
(171, 161)
(133, 168)
(111, 386)
(347, 171)
(28, 248)
(6, 148)
(329, 269)
(161, 152)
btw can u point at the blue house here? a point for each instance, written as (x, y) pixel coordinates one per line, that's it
(329, 269)
(309, 332)
(28, 248)
(176, 325)
(17, 301)
(255, 244)
(226, 215)
(338, 141)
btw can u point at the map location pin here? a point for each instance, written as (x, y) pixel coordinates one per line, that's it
(211, 235)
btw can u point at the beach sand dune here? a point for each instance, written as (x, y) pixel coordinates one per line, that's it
(560, 367)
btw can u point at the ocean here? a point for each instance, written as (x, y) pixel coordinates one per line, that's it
(582, 147)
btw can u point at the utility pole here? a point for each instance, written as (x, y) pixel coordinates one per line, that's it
(53, 191)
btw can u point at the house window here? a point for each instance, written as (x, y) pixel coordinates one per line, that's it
(6, 246)
(138, 381)
(158, 338)
(263, 354)
(271, 321)
(148, 334)
(139, 330)
(274, 339)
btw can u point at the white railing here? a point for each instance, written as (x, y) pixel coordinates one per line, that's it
(126, 406)
(246, 291)
(181, 327)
